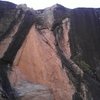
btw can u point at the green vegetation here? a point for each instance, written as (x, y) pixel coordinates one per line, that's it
(82, 64)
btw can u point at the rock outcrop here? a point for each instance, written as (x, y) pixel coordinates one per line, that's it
(49, 54)
(30, 91)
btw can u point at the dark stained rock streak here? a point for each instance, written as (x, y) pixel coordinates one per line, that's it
(55, 47)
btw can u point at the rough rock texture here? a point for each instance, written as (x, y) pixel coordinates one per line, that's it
(49, 54)
(47, 69)
(29, 91)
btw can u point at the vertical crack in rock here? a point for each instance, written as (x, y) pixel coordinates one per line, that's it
(68, 63)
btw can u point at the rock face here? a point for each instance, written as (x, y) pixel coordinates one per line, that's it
(49, 54)
(29, 91)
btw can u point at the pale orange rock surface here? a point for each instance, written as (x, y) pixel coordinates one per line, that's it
(37, 61)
